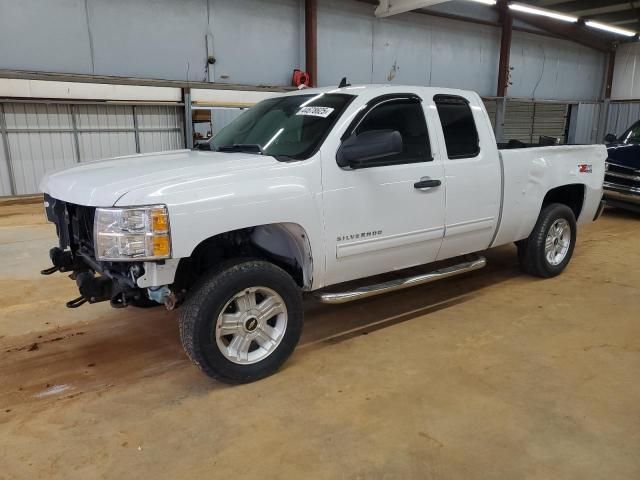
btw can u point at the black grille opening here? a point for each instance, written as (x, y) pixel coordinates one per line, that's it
(74, 224)
(82, 227)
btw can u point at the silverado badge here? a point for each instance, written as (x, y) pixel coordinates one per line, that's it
(356, 236)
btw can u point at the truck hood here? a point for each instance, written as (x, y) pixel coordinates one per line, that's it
(627, 155)
(102, 183)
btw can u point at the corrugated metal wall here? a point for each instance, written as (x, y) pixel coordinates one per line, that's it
(527, 121)
(41, 137)
(253, 41)
(260, 42)
(621, 116)
(159, 128)
(554, 69)
(409, 49)
(105, 131)
(626, 73)
(491, 107)
(585, 119)
(5, 173)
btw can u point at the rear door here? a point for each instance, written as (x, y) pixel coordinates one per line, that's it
(376, 218)
(473, 174)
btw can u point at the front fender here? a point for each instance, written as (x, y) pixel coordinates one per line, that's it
(202, 208)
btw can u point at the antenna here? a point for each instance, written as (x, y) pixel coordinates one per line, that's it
(344, 83)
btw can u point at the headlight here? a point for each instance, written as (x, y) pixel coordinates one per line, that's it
(137, 233)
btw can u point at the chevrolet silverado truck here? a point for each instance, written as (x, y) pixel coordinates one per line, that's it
(622, 177)
(303, 193)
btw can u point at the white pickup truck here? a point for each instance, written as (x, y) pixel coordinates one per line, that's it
(306, 191)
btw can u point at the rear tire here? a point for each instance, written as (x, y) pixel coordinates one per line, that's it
(549, 248)
(240, 323)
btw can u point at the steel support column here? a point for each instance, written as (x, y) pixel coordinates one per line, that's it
(606, 104)
(7, 151)
(136, 130)
(603, 121)
(311, 40)
(608, 82)
(501, 109)
(506, 20)
(74, 125)
(188, 118)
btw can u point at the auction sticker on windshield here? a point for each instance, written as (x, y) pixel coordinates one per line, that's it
(323, 112)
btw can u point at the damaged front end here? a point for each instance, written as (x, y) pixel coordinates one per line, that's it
(110, 253)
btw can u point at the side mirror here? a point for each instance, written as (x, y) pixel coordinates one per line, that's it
(369, 148)
(610, 138)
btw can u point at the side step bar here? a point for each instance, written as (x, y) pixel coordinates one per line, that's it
(401, 283)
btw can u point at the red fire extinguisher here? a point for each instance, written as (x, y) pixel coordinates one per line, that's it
(300, 78)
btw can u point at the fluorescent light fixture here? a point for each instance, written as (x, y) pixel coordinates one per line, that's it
(518, 7)
(486, 2)
(609, 28)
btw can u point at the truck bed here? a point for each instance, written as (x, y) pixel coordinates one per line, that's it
(529, 173)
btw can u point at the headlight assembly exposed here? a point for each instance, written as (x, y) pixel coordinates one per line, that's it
(136, 233)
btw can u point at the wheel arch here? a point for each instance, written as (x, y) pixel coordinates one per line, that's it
(285, 244)
(290, 243)
(571, 195)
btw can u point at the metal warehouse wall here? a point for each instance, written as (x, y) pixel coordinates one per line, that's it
(621, 116)
(419, 49)
(39, 137)
(584, 124)
(405, 49)
(626, 77)
(254, 41)
(262, 41)
(549, 68)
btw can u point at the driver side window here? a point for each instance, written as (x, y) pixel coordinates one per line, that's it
(406, 116)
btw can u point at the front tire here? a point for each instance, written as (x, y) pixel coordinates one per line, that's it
(549, 248)
(241, 323)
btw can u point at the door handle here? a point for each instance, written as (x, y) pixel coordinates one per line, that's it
(427, 182)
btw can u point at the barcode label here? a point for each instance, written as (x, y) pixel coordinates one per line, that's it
(323, 112)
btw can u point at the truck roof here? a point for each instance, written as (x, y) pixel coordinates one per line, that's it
(380, 89)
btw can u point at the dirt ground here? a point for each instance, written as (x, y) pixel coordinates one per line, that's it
(493, 375)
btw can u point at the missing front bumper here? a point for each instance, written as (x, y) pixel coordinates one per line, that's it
(95, 283)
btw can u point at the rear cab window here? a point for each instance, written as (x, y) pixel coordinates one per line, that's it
(458, 126)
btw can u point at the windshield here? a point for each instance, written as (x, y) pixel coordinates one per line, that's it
(632, 135)
(289, 126)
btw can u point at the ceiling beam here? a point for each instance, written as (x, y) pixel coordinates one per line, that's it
(547, 3)
(387, 8)
(617, 18)
(585, 8)
(576, 5)
(572, 32)
(575, 32)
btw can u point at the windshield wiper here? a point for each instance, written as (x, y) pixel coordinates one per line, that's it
(242, 147)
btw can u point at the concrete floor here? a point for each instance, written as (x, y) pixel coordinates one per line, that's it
(494, 375)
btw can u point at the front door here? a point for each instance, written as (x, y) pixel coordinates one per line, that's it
(379, 218)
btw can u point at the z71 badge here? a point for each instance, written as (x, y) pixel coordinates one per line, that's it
(585, 168)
